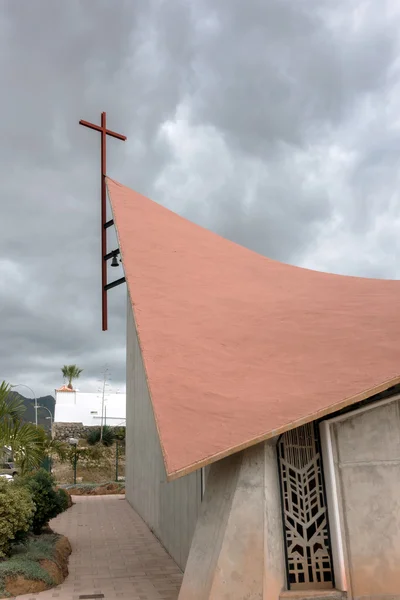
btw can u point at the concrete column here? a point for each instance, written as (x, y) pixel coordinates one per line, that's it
(274, 553)
(237, 549)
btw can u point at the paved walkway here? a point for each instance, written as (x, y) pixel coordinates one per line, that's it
(113, 553)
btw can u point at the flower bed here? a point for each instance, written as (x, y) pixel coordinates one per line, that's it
(38, 564)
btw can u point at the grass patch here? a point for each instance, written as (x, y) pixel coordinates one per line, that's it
(24, 560)
(37, 547)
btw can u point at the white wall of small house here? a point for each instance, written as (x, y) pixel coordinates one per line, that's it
(85, 407)
(170, 509)
(362, 472)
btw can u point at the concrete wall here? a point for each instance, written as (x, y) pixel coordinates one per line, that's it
(367, 465)
(170, 509)
(237, 550)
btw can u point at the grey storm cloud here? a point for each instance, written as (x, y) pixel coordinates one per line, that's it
(274, 123)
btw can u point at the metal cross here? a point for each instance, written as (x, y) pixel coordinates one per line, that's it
(104, 223)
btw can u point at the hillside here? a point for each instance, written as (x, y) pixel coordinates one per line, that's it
(29, 415)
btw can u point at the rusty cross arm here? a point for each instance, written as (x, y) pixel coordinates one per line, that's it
(98, 128)
(104, 223)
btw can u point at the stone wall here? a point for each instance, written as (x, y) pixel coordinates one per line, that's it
(64, 431)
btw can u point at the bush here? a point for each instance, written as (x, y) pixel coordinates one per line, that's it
(49, 502)
(94, 435)
(120, 433)
(16, 514)
(64, 499)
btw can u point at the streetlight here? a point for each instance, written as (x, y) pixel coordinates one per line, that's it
(34, 395)
(49, 411)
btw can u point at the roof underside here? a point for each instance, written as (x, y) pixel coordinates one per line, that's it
(238, 348)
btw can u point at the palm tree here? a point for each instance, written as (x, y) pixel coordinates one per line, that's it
(71, 372)
(11, 406)
(52, 447)
(23, 439)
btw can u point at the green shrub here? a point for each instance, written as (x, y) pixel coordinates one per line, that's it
(49, 503)
(90, 456)
(94, 435)
(120, 433)
(64, 499)
(16, 513)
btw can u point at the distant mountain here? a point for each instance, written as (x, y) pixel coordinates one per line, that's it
(29, 414)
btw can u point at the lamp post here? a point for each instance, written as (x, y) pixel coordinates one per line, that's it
(34, 395)
(50, 417)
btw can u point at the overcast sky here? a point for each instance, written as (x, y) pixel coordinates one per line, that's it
(275, 123)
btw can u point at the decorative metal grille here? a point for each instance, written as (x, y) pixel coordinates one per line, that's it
(306, 528)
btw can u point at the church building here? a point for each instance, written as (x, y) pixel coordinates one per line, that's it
(263, 414)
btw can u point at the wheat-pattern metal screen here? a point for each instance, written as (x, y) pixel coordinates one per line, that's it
(309, 560)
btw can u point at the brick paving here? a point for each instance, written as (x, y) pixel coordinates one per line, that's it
(113, 553)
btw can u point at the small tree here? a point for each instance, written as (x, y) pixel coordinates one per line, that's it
(51, 446)
(71, 372)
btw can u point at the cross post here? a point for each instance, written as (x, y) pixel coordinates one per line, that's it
(104, 223)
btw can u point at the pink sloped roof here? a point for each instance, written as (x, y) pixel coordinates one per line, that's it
(237, 347)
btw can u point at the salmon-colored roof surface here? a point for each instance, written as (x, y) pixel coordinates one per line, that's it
(64, 388)
(239, 348)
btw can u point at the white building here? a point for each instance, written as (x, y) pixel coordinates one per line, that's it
(73, 406)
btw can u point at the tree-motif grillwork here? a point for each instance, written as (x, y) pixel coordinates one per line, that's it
(306, 529)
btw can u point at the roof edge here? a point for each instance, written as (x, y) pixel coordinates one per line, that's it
(365, 395)
(236, 244)
(137, 331)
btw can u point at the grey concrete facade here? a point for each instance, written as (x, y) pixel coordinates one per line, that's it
(237, 549)
(169, 509)
(366, 451)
